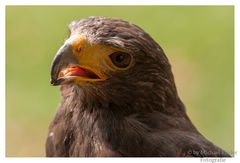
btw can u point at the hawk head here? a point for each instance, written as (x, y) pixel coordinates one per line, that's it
(115, 63)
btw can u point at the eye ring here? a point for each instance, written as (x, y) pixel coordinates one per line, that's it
(121, 59)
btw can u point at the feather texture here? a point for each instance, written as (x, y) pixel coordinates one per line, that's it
(132, 113)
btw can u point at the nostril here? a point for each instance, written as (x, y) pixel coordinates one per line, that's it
(78, 49)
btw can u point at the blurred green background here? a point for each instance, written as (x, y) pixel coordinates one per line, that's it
(199, 41)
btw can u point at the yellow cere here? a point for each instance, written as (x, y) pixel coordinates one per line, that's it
(93, 56)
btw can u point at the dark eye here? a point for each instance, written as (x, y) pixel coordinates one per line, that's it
(120, 59)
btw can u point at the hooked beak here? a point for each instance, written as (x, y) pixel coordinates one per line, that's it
(61, 60)
(66, 68)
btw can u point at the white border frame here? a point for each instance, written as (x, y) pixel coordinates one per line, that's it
(4, 3)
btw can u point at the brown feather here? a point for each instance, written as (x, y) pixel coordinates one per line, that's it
(133, 113)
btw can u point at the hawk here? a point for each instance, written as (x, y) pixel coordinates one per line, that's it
(119, 97)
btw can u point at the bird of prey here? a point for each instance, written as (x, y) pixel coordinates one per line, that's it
(118, 97)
